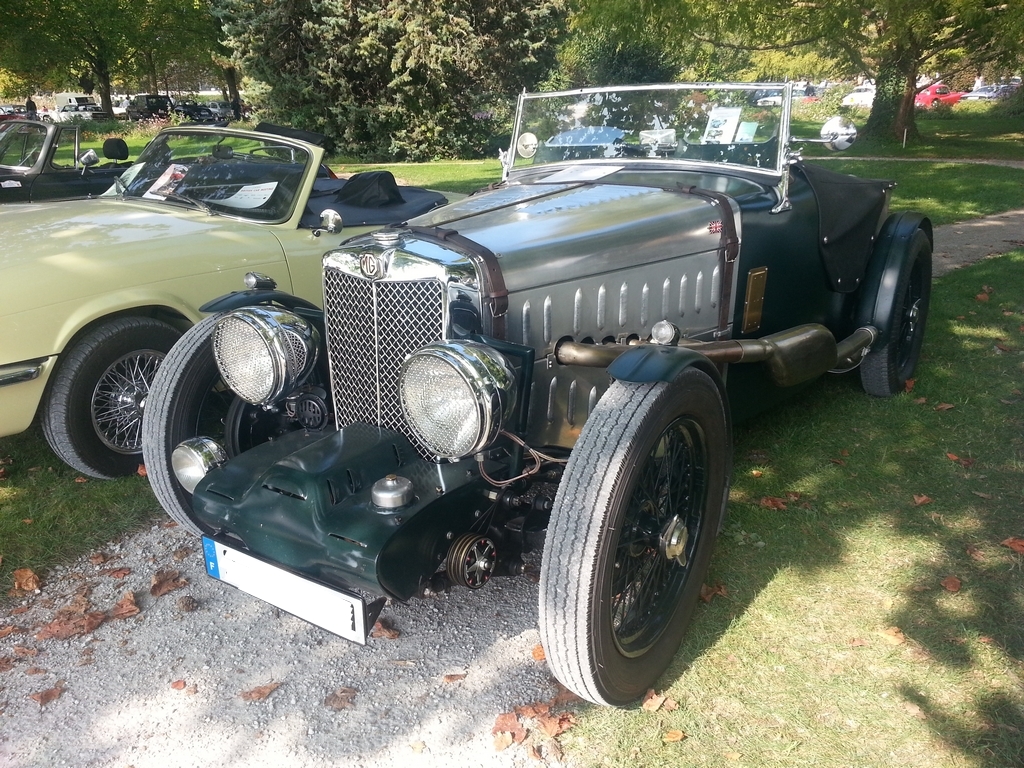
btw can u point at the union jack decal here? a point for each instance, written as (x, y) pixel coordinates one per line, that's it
(715, 227)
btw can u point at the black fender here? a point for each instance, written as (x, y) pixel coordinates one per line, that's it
(251, 298)
(648, 363)
(878, 292)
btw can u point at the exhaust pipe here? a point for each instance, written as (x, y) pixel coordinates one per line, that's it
(792, 356)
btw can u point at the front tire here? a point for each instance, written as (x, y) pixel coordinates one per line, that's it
(884, 371)
(631, 534)
(92, 410)
(188, 398)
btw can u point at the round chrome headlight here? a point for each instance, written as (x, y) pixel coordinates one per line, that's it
(456, 396)
(264, 353)
(194, 458)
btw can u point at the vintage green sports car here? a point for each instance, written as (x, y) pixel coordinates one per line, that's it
(96, 291)
(565, 353)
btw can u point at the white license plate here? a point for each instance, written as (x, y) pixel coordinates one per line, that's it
(338, 612)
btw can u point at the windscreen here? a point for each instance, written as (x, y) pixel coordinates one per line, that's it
(736, 124)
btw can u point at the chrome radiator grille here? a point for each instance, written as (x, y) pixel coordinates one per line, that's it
(372, 326)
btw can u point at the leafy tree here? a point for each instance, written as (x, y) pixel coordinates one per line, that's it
(393, 78)
(98, 41)
(892, 40)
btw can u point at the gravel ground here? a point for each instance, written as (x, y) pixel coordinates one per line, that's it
(163, 688)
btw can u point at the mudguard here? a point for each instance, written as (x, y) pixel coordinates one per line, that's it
(237, 299)
(891, 250)
(651, 362)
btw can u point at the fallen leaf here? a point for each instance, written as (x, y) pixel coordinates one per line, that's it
(67, 626)
(178, 685)
(909, 386)
(921, 499)
(553, 751)
(6, 663)
(26, 580)
(672, 737)
(707, 593)
(983, 494)
(418, 747)
(6, 630)
(181, 553)
(125, 607)
(50, 694)
(773, 502)
(259, 693)
(555, 725)
(508, 722)
(1004, 348)
(116, 573)
(81, 479)
(538, 653)
(35, 671)
(1015, 544)
(670, 705)
(455, 677)
(98, 558)
(981, 297)
(342, 698)
(975, 553)
(502, 741)
(733, 755)
(383, 628)
(951, 583)
(652, 701)
(920, 400)
(141, 471)
(24, 652)
(187, 604)
(944, 407)
(840, 462)
(165, 581)
(533, 710)
(858, 643)
(533, 753)
(893, 636)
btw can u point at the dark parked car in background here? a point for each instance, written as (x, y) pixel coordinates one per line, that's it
(44, 161)
(194, 111)
(149, 106)
(565, 352)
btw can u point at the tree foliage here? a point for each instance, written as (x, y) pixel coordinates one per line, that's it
(894, 41)
(91, 43)
(393, 78)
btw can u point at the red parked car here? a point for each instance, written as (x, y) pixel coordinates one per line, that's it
(935, 94)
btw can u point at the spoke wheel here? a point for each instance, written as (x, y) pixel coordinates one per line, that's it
(631, 534)
(885, 370)
(93, 407)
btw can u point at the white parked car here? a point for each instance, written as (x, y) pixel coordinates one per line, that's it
(861, 96)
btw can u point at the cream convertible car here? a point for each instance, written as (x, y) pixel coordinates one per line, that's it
(96, 291)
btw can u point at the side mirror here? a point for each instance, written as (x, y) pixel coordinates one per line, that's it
(838, 133)
(89, 158)
(330, 222)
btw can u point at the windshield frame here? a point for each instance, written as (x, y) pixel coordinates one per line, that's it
(777, 170)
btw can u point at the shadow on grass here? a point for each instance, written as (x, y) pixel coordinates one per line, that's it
(938, 470)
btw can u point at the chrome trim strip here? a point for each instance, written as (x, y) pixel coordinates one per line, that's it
(28, 370)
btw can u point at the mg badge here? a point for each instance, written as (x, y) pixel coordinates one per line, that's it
(373, 266)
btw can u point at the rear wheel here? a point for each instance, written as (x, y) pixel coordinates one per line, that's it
(92, 411)
(884, 371)
(631, 535)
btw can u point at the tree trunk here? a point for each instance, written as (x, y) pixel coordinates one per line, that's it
(892, 113)
(231, 76)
